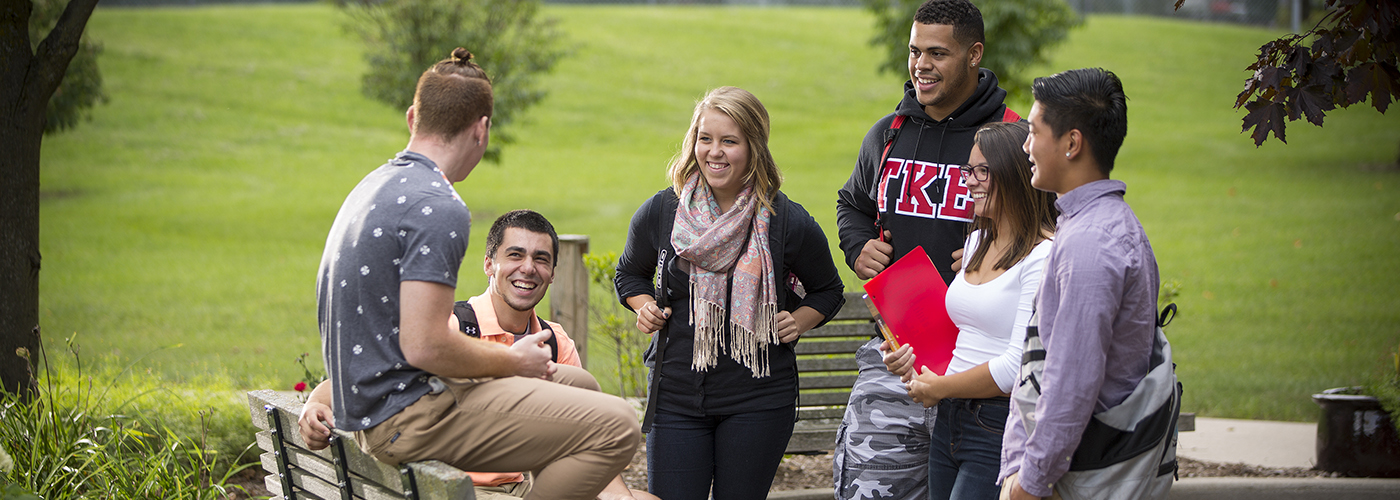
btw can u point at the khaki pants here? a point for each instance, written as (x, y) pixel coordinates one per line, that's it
(508, 491)
(574, 438)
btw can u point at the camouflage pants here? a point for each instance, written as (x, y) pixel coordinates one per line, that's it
(883, 445)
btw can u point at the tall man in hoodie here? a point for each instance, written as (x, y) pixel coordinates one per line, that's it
(906, 191)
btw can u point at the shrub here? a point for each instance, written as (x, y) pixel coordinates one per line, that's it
(615, 327)
(77, 438)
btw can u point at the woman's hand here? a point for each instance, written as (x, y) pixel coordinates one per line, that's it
(787, 327)
(651, 318)
(899, 361)
(923, 388)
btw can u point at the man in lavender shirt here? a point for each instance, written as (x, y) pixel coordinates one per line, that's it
(1097, 303)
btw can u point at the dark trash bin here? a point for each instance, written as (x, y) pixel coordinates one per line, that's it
(1355, 436)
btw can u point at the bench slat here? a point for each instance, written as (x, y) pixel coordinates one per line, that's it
(854, 308)
(816, 440)
(319, 467)
(273, 483)
(835, 398)
(847, 347)
(435, 479)
(826, 364)
(820, 413)
(826, 382)
(326, 488)
(862, 330)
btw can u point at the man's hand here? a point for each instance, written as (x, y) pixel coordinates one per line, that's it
(899, 361)
(874, 257)
(1019, 494)
(922, 387)
(316, 433)
(957, 260)
(533, 356)
(1013, 491)
(651, 318)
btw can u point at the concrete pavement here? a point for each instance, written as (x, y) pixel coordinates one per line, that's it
(1253, 442)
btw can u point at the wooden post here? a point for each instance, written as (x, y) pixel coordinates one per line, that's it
(568, 296)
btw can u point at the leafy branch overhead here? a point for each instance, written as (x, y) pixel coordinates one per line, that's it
(508, 38)
(1348, 57)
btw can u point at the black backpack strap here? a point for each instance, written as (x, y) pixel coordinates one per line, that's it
(467, 323)
(466, 318)
(553, 340)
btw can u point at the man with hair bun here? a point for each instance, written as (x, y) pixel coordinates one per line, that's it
(408, 385)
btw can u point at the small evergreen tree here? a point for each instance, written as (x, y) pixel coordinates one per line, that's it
(1020, 33)
(507, 37)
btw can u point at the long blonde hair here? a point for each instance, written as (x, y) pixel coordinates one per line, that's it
(746, 111)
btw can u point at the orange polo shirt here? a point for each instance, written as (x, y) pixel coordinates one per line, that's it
(492, 331)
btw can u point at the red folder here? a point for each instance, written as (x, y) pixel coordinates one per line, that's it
(910, 297)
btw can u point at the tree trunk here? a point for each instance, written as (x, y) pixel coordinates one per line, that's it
(28, 78)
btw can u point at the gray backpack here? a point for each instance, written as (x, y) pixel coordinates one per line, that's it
(1128, 451)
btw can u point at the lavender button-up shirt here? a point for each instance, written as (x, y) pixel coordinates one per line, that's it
(1097, 309)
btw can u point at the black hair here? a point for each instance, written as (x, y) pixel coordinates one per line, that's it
(964, 17)
(528, 220)
(1089, 100)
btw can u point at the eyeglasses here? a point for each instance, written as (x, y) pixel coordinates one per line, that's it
(978, 172)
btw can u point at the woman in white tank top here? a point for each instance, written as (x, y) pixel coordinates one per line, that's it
(990, 300)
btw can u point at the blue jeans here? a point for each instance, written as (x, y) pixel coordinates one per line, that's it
(737, 454)
(966, 453)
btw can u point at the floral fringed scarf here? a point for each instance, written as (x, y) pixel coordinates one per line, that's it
(715, 246)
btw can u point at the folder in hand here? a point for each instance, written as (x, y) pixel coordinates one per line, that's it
(909, 296)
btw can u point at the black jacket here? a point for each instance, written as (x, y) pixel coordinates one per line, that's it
(926, 204)
(798, 247)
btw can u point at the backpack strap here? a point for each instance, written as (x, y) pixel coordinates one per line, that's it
(890, 135)
(1010, 116)
(467, 323)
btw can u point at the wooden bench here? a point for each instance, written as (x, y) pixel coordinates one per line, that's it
(341, 471)
(826, 370)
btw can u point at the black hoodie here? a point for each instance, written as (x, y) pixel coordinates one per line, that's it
(925, 201)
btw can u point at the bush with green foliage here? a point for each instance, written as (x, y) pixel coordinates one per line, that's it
(614, 327)
(1020, 34)
(507, 37)
(127, 438)
(82, 83)
(1386, 388)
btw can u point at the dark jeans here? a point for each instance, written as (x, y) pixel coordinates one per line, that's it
(966, 453)
(739, 454)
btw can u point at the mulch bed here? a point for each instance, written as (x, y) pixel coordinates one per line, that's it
(814, 471)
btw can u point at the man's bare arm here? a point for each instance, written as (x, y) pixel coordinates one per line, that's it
(431, 345)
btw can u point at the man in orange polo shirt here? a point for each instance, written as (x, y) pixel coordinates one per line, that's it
(519, 264)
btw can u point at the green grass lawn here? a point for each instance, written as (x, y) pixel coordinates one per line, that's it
(192, 210)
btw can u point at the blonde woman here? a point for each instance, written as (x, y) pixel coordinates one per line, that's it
(729, 243)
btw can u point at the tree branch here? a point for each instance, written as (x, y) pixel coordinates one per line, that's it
(51, 59)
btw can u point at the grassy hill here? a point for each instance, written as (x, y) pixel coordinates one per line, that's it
(192, 210)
